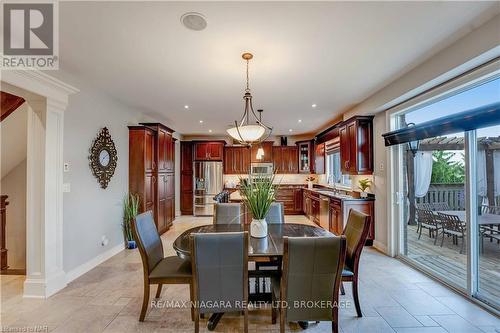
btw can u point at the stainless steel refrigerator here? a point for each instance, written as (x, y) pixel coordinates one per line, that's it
(207, 183)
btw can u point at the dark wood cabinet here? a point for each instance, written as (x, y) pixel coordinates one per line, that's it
(209, 151)
(267, 146)
(311, 205)
(285, 159)
(236, 160)
(319, 158)
(151, 171)
(305, 156)
(356, 145)
(186, 199)
(3, 221)
(291, 197)
(335, 216)
(364, 206)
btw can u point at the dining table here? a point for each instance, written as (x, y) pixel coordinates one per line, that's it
(483, 219)
(258, 248)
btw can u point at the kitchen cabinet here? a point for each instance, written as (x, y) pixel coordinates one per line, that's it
(267, 146)
(186, 185)
(311, 205)
(291, 197)
(335, 216)
(209, 151)
(236, 160)
(356, 146)
(306, 156)
(319, 158)
(151, 171)
(285, 159)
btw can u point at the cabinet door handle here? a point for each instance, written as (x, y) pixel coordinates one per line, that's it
(153, 178)
(153, 165)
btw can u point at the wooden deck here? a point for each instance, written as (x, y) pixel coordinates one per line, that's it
(450, 264)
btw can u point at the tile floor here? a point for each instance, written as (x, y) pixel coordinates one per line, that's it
(394, 298)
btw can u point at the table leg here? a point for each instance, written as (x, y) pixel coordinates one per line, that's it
(214, 320)
(303, 324)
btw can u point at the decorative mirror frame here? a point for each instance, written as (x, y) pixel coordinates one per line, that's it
(102, 142)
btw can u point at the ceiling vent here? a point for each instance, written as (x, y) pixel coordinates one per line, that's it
(194, 21)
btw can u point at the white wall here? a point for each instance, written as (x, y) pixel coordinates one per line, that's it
(477, 47)
(91, 212)
(13, 184)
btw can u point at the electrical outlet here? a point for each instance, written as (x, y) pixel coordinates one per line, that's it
(66, 167)
(381, 167)
(104, 240)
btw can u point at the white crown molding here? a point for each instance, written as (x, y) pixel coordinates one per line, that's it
(39, 83)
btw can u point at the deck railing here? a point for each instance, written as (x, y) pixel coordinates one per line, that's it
(452, 194)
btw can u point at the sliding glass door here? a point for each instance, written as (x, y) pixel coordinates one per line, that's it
(448, 194)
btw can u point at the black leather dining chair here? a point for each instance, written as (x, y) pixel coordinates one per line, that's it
(312, 269)
(157, 269)
(220, 275)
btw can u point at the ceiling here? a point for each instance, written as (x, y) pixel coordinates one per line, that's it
(332, 54)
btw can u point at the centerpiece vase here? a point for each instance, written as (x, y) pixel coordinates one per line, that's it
(258, 228)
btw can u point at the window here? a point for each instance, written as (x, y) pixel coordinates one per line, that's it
(333, 172)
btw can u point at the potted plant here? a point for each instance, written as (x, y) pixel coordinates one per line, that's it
(258, 195)
(130, 211)
(363, 185)
(309, 181)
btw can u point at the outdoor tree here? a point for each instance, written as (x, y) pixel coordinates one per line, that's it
(448, 167)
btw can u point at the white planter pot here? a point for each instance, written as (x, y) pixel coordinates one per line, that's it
(364, 194)
(258, 228)
(310, 185)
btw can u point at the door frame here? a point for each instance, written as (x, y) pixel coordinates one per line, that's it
(48, 99)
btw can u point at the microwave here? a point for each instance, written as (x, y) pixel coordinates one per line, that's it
(262, 169)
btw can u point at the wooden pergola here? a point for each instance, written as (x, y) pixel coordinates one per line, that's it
(488, 144)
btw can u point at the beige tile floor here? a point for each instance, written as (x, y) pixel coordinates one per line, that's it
(394, 298)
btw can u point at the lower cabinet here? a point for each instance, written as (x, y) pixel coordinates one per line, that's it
(335, 214)
(291, 197)
(311, 205)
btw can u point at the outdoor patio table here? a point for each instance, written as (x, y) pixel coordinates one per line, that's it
(484, 219)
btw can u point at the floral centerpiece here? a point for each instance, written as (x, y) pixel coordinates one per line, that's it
(258, 194)
(309, 181)
(364, 184)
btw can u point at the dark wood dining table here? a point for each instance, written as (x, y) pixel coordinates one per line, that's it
(270, 246)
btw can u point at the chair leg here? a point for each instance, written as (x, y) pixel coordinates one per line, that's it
(273, 309)
(356, 296)
(282, 320)
(436, 238)
(196, 321)
(335, 319)
(342, 290)
(158, 291)
(442, 240)
(245, 320)
(191, 296)
(463, 245)
(420, 233)
(145, 302)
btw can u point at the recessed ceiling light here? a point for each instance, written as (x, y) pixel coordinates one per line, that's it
(314, 105)
(300, 120)
(209, 131)
(290, 130)
(186, 106)
(194, 21)
(201, 121)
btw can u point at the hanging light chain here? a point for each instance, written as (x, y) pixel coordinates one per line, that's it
(248, 78)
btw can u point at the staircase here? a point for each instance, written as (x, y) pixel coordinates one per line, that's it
(8, 104)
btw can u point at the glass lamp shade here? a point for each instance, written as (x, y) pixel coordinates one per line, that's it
(249, 133)
(413, 146)
(260, 153)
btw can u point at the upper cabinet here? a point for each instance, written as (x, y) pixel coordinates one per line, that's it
(356, 145)
(319, 158)
(306, 156)
(236, 160)
(285, 159)
(267, 147)
(209, 151)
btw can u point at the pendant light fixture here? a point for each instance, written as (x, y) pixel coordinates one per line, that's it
(250, 130)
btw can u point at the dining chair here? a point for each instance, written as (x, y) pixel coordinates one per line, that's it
(453, 226)
(157, 269)
(312, 270)
(430, 221)
(356, 232)
(220, 275)
(276, 213)
(227, 213)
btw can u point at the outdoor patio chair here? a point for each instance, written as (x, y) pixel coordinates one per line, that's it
(428, 220)
(454, 227)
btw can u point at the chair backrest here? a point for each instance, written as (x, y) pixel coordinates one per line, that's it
(220, 271)
(276, 213)
(312, 271)
(427, 217)
(227, 213)
(148, 240)
(356, 232)
(451, 222)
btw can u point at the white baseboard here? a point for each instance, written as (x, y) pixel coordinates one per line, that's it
(38, 287)
(380, 246)
(85, 267)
